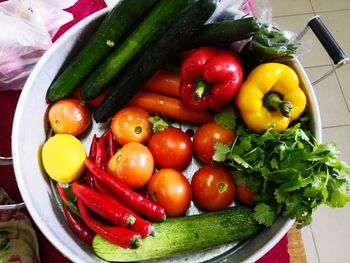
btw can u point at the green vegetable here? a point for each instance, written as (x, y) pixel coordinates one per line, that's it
(290, 172)
(153, 25)
(113, 27)
(144, 66)
(272, 43)
(187, 233)
(225, 32)
(266, 42)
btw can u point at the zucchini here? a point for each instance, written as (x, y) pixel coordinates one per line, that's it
(143, 67)
(187, 233)
(118, 21)
(225, 32)
(154, 24)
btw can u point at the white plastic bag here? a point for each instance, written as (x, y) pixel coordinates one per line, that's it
(27, 27)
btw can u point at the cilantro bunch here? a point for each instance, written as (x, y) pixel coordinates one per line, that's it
(290, 172)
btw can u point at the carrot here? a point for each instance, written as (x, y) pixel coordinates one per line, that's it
(164, 82)
(169, 107)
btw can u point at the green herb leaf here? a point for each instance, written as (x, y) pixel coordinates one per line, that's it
(226, 118)
(264, 214)
(158, 124)
(290, 172)
(221, 150)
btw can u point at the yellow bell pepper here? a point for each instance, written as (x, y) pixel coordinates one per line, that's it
(270, 97)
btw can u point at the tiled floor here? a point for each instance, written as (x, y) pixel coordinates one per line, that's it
(327, 240)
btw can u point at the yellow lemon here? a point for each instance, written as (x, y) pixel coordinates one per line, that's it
(63, 157)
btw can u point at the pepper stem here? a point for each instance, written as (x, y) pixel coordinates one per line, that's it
(273, 101)
(201, 88)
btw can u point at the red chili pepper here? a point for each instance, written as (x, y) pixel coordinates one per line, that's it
(120, 236)
(101, 158)
(112, 144)
(89, 179)
(101, 205)
(141, 225)
(78, 226)
(131, 199)
(210, 78)
(66, 200)
(74, 222)
(92, 152)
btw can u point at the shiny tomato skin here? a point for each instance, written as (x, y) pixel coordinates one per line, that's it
(69, 116)
(131, 124)
(205, 137)
(170, 189)
(171, 148)
(133, 165)
(213, 187)
(245, 195)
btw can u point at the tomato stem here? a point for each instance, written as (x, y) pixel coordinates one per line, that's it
(222, 187)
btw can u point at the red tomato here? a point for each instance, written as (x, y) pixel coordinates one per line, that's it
(245, 195)
(69, 116)
(131, 125)
(213, 187)
(133, 165)
(205, 137)
(170, 189)
(171, 148)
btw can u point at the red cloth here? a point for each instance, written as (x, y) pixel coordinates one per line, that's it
(8, 101)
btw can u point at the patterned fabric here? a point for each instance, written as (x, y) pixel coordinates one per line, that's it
(18, 240)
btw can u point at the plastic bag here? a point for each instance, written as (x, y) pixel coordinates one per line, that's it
(272, 41)
(27, 29)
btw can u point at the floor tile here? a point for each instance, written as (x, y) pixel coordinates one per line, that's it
(309, 245)
(311, 52)
(338, 24)
(290, 7)
(331, 230)
(333, 108)
(343, 74)
(326, 5)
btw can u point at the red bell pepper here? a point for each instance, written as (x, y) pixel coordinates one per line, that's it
(210, 77)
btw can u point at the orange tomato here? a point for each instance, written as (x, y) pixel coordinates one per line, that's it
(132, 165)
(170, 189)
(131, 125)
(69, 116)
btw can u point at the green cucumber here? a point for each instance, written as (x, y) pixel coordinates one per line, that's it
(154, 24)
(187, 233)
(118, 21)
(144, 66)
(225, 32)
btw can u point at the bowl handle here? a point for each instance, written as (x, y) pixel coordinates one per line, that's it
(5, 160)
(328, 42)
(8, 161)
